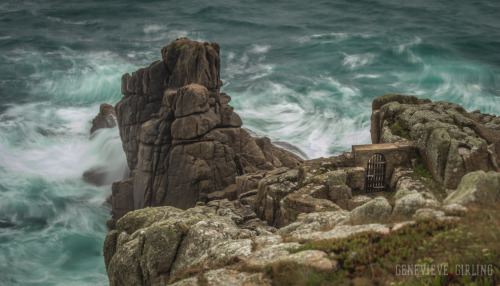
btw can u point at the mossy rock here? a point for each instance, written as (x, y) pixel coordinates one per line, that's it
(476, 187)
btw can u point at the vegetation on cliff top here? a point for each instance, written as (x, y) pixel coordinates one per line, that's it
(372, 257)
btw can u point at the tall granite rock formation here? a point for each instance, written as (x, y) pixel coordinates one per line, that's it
(181, 137)
(451, 141)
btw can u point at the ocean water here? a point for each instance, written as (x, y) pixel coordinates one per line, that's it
(298, 72)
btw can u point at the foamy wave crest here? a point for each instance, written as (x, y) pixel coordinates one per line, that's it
(252, 64)
(322, 122)
(358, 60)
(260, 49)
(48, 214)
(54, 142)
(81, 77)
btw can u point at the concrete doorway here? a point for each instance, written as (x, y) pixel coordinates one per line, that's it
(375, 174)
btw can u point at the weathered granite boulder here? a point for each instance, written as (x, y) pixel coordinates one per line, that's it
(375, 209)
(357, 201)
(476, 187)
(106, 118)
(408, 204)
(314, 222)
(283, 195)
(308, 199)
(426, 213)
(451, 141)
(151, 244)
(272, 189)
(341, 231)
(182, 140)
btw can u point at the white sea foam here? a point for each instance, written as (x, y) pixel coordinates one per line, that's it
(84, 22)
(358, 60)
(412, 42)
(260, 49)
(153, 28)
(366, 76)
(54, 143)
(251, 63)
(314, 122)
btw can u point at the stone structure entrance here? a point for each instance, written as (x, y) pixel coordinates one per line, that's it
(370, 167)
(375, 174)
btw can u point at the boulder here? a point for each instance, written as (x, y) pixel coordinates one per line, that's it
(308, 199)
(426, 213)
(272, 189)
(341, 231)
(314, 222)
(408, 204)
(476, 187)
(375, 209)
(454, 208)
(357, 201)
(152, 244)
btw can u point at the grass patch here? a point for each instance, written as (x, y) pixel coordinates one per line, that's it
(421, 173)
(456, 245)
(286, 273)
(369, 248)
(399, 130)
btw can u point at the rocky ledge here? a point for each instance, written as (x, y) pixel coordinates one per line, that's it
(206, 203)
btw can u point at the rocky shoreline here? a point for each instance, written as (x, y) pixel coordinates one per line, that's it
(204, 194)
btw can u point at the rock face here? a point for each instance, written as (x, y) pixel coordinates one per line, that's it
(153, 245)
(182, 139)
(451, 141)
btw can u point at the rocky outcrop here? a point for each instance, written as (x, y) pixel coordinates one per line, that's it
(283, 195)
(451, 141)
(106, 118)
(153, 246)
(182, 140)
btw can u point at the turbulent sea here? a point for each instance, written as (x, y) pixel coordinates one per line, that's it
(298, 72)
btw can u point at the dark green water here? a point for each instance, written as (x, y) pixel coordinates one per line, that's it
(299, 72)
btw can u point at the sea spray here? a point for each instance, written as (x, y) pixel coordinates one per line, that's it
(297, 72)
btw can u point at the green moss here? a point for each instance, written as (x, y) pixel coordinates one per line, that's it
(399, 130)
(420, 170)
(291, 273)
(421, 173)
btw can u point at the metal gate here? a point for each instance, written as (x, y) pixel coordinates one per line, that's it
(375, 174)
